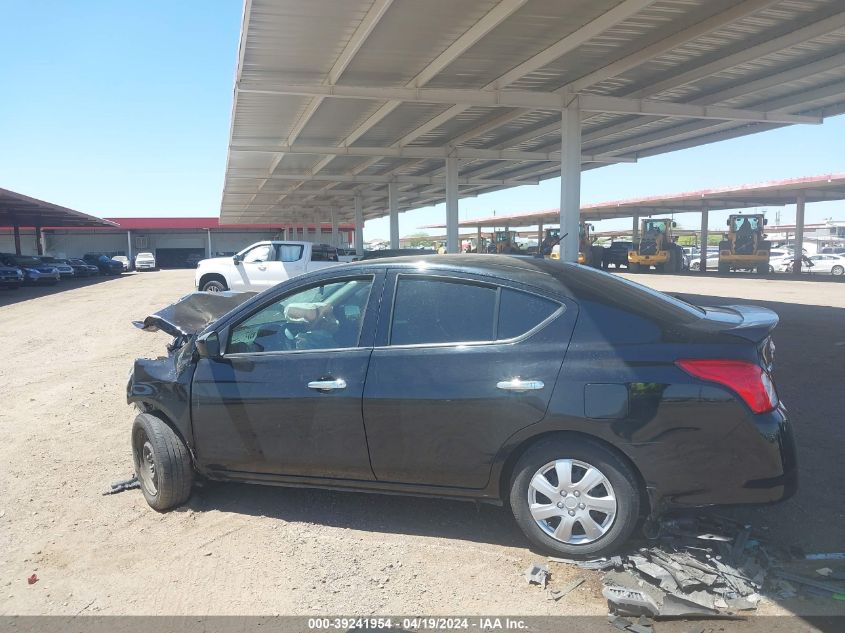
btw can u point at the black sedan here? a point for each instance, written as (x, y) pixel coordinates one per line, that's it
(83, 269)
(581, 401)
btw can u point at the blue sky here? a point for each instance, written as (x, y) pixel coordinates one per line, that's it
(122, 108)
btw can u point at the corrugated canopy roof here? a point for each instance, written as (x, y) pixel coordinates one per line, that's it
(775, 193)
(17, 209)
(336, 99)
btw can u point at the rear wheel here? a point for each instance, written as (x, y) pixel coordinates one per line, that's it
(763, 269)
(724, 268)
(574, 497)
(162, 463)
(837, 270)
(634, 268)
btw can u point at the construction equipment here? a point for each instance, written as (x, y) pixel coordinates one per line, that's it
(506, 242)
(550, 246)
(746, 247)
(656, 247)
(588, 253)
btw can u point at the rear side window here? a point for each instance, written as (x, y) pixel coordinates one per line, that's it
(290, 252)
(439, 311)
(520, 312)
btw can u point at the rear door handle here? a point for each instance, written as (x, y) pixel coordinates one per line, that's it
(262, 268)
(517, 384)
(327, 385)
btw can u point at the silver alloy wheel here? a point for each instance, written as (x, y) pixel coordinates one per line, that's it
(209, 287)
(573, 512)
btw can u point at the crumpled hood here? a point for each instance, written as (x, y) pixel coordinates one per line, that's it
(193, 312)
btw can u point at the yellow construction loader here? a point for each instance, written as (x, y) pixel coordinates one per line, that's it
(656, 247)
(746, 247)
(506, 242)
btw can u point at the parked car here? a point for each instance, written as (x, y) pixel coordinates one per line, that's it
(712, 262)
(104, 263)
(65, 270)
(616, 254)
(397, 252)
(123, 259)
(83, 269)
(580, 400)
(262, 265)
(11, 277)
(347, 255)
(145, 261)
(34, 270)
(833, 250)
(818, 264)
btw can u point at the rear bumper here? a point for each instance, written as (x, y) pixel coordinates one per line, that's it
(756, 465)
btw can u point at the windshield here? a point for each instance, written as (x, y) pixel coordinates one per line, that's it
(654, 226)
(745, 223)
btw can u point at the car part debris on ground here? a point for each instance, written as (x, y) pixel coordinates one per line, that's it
(124, 484)
(537, 575)
(707, 567)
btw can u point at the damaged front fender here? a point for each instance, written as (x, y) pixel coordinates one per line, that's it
(164, 384)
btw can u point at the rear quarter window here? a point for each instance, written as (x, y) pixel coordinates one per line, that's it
(520, 312)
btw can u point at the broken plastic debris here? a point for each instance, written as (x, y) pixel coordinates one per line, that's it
(32, 579)
(629, 601)
(557, 594)
(537, 575)
(124, 484)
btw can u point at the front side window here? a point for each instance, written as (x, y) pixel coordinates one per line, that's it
(328, 316)
(260, 253)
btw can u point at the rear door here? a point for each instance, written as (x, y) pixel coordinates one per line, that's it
(460, 364)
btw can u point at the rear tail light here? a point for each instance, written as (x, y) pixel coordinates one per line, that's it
(749, 381)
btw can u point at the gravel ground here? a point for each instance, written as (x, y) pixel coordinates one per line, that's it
(239, 549)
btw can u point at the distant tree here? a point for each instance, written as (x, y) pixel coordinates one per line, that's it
(420, 240)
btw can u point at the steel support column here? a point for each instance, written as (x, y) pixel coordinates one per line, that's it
(39, 244)
(359, 226)
(208, 243)
(635, 229)
(705, 218)
(799, 232)
(129, 247)
(17, 232)
(335, 239)
(453, 240)
(570, 181)
(478, 248)
(540, 239)
(393, 203)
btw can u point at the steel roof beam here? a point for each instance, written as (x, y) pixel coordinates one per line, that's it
(419, 152)
(417, 180)
(538, 101)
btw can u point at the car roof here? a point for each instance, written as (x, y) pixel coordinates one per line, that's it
(541, 273)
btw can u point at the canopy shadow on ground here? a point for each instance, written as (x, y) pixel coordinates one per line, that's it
(25, 293)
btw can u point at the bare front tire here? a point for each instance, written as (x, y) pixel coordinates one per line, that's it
(574, 497)
(162, 463)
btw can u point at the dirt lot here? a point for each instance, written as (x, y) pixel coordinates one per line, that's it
(238, 549)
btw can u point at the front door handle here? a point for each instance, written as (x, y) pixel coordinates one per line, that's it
(327, 385)
(517, 384)
(262, 268)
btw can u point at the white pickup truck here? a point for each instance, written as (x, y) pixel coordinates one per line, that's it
(262, 265)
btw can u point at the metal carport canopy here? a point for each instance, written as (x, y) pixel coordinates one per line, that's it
(18, 210)
(357, 109)
(776, 193)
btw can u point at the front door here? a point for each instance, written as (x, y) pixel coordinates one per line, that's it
(460, 365)
(284, 398)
